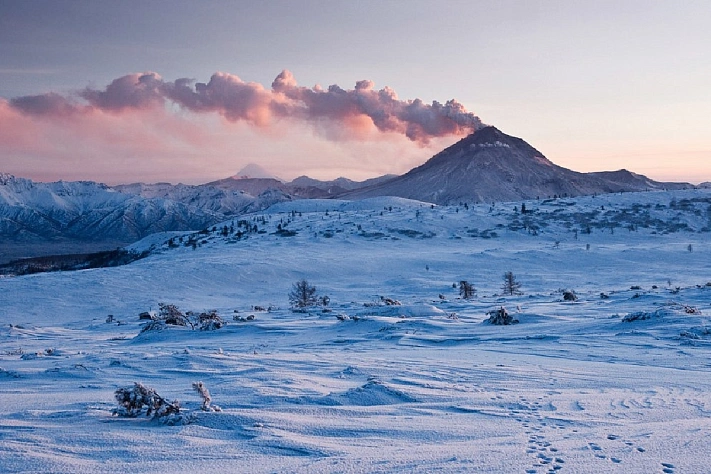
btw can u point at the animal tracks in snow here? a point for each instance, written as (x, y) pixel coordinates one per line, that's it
(554, 438)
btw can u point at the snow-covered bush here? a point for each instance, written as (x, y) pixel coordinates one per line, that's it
(132, 401)
(170, 314)
(669, 309)
(500, 317)
(242, 319)
(637, 316)
(389, 301)
(569, 295)
(210, 321)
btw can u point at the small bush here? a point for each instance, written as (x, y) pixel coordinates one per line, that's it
(389, 301)
(637, 316)
(569, 295)
(170, 314)
(132, 402)
(210, 321)
(501, 317)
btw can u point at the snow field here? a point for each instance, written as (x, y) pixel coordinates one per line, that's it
(425, 386)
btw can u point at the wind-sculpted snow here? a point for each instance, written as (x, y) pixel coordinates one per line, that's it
(397, 373)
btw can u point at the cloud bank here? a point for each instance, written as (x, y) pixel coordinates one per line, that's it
(349, 111)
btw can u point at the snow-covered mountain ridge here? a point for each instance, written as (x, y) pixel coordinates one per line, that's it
(53, 215)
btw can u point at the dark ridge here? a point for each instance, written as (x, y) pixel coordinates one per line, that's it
(62, 263)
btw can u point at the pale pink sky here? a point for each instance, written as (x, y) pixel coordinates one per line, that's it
(95, 90)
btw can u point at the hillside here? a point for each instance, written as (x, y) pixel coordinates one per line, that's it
(38, 219)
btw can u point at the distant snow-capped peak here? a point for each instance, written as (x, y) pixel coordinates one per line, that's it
(253, 170)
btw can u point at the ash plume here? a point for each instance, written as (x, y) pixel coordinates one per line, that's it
(238, 101)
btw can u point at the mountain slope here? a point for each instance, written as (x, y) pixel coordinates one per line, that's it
(88, 211)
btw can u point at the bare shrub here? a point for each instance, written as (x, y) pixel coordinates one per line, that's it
(201, 389)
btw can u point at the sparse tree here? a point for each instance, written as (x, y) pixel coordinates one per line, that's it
(302, 295)
(511, 285)
(466, 289)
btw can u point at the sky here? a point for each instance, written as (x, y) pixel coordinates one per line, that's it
(185, 91)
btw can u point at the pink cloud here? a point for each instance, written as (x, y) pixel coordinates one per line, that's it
(418, 121)
(226, 94)
(50, 104)
(133, 91)
(237, 100)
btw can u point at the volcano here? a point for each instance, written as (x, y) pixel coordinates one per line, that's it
(490, 166)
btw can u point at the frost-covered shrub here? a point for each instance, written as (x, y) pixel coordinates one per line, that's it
(382, 301)
(389, 301)
(201, 389)
(637, 316)
(242, 319)
(669, 309)
(132, 402)
(210, 321)
(170, 314)
(569, 295)
(500, 317)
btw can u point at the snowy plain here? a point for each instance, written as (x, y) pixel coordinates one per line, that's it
(424, 386)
